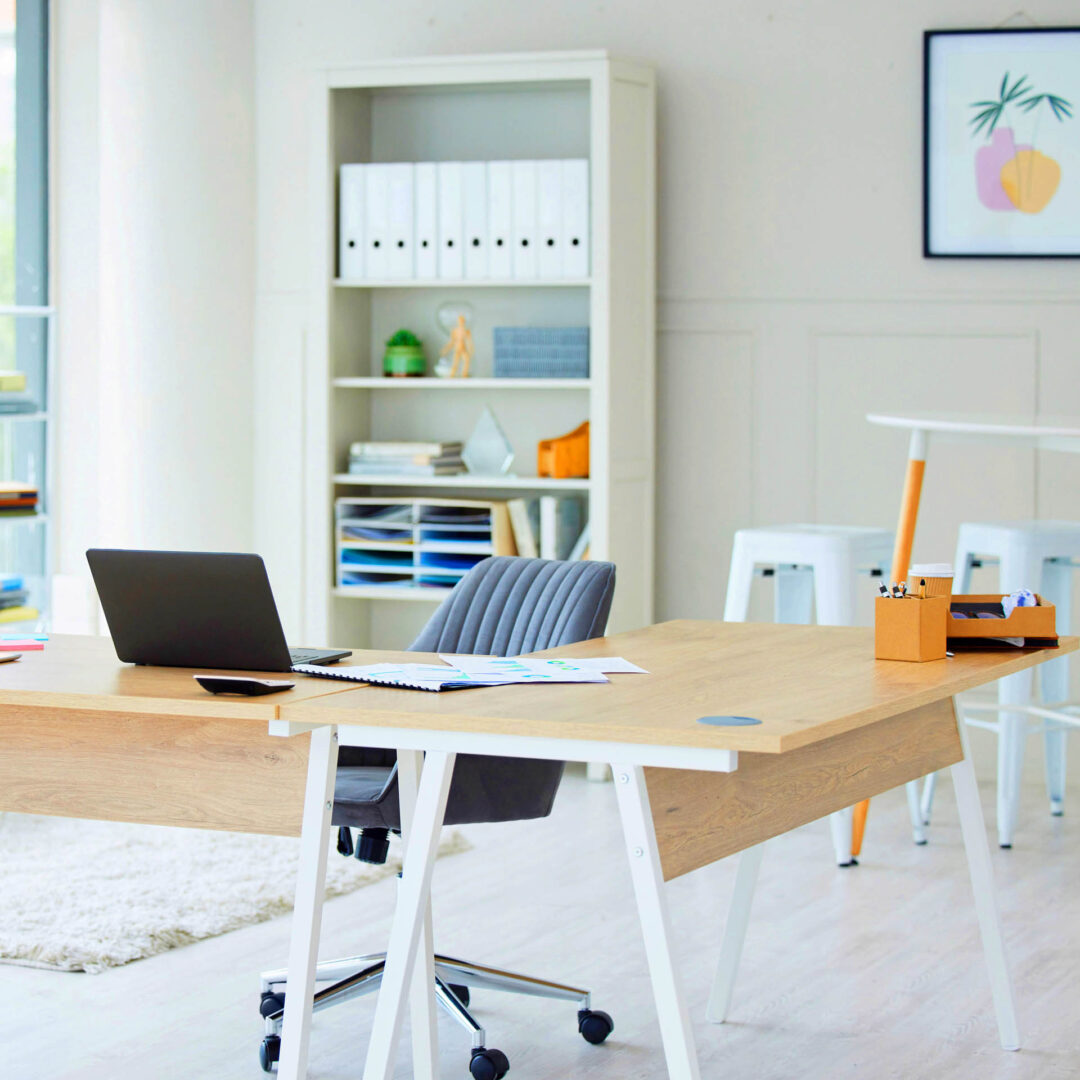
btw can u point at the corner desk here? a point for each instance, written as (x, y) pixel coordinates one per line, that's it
(82, 735)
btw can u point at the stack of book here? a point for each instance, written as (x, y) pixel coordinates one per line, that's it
(13, 597)
(405, 458)
(17, 497)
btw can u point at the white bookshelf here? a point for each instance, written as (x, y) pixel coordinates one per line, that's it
(380, 382)
(520, 106)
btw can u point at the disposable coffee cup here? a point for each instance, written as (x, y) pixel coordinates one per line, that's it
(938, 578)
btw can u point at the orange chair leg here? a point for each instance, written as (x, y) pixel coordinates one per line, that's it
(905, 538)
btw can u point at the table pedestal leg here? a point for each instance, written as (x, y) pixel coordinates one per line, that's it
(425, 1038)
(905, 538)
(742, 897)
(307, 907)
(640, 836)
(982, 883)
(410, 914)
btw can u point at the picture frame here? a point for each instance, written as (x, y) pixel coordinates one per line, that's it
(1001, 143)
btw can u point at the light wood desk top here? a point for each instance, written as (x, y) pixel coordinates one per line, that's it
(82, 672)
(805, 683)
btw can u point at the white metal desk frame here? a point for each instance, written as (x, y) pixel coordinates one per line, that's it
(426, 762)
(1061, 435)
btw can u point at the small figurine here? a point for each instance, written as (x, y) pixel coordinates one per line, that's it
(460, 347)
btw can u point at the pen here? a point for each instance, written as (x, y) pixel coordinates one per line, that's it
(903, 589)
(922, 588)
(884, 591)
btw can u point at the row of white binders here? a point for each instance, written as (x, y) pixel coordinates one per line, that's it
(464, 220)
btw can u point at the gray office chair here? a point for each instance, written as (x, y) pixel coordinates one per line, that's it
(505, 607)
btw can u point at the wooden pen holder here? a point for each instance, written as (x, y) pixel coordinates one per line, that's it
(911, 628)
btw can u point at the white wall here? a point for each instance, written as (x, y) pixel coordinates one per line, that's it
(793, 291)
(154, 280)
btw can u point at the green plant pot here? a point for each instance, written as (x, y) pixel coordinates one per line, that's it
(404, 360)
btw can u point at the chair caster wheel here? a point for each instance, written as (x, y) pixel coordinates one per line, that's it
(269, 1052)
(461, 993)
(488, 1064)
(271, 1003)
(595, 1026)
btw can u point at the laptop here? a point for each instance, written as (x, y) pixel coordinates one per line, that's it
(194, 609)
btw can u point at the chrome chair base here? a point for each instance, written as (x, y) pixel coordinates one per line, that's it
(357, 976)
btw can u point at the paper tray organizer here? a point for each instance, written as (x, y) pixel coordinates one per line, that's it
(1034, 624)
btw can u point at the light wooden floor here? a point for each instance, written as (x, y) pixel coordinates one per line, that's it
(873, 973)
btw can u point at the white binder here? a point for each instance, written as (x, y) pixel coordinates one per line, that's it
(549, 219)
(524, 199)
(426, 233)
(351, 212)
(451, 263)
(399, 218)
(474, 217)
(500, 220)
(576, 219)
(377, 198)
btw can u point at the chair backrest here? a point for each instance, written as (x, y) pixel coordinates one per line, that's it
(506, 606)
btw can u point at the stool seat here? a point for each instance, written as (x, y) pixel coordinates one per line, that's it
(813, 566)
(834, 554)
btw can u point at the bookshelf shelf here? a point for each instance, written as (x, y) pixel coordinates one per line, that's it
(502, 483)
(565, 106)
(378, 382)
(425, 594)
(464, 283)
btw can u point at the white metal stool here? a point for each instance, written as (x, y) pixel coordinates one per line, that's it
(814, 566)
(1038, 555)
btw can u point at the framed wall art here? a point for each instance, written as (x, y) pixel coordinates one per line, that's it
(1001, 143)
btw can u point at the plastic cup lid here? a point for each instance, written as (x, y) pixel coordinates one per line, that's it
(942, 569)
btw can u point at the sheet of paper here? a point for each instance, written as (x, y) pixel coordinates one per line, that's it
(513, 669)
(610, 665)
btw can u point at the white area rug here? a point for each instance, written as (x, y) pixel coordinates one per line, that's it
(89, 895)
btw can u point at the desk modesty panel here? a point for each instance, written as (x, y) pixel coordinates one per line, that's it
(804, 683)
(83, 735)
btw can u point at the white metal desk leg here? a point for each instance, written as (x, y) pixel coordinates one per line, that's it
(307, 907)
(738, 918)
(410, 913)
(640, 837)
(982, 883)
(425, 1039)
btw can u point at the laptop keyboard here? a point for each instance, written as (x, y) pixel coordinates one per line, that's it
(305, 656)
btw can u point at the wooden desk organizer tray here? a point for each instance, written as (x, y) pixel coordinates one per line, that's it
(910, 628)
(1036, 625)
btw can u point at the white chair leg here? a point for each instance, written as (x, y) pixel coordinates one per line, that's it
(1054, 682)
(738, 918)
(834, 591)
(926, 804)
(840, 827)
(1020, 569)
(740, 578)
(793, 596)
(982, 884)
(918, 833)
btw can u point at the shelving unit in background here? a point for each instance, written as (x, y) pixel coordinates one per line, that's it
(482, 108)
(25, 455)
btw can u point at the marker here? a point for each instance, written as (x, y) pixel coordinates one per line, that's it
(922, 588)
(884, 592)
(897, 595)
